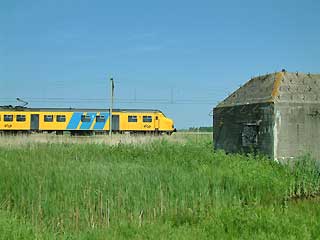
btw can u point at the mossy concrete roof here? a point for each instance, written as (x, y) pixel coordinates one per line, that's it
(277, 87)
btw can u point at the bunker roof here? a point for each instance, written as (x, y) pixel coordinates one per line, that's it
(277, 87)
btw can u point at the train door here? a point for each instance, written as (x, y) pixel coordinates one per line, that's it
(34, 123)
(115, 122)
(156, 123)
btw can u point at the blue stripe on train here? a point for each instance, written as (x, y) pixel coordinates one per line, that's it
(74, 121)
(87, 125)
(100, 125)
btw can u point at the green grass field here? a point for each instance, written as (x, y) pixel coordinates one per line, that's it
(162, 188)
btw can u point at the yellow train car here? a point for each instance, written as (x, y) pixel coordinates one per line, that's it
(83, 121)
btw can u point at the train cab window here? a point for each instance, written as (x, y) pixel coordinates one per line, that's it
(132, 119)
(100, 119)
(21, 118)
(147, 118)
(48, 118)
(85, 118)
(8, 118)
(61, 118)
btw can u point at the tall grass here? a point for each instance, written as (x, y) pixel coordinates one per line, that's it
(162, 189)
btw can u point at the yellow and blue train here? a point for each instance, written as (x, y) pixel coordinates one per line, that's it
(83, 121)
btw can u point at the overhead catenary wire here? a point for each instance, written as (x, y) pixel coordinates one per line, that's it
(172, 99)
(117, 100)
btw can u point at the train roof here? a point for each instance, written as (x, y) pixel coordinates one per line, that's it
(19, 108)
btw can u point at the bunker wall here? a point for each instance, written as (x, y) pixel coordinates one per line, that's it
(244, 128)
(296, 130)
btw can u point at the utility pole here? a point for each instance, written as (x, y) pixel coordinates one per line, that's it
(171, 100)
(111, 105)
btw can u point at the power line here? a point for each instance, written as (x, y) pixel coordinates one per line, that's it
(117, 100)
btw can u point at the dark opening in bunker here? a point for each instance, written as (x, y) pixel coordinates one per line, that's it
(249, 135)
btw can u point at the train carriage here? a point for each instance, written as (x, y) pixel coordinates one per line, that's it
(83, 121)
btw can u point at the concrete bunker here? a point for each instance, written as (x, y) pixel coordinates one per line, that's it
(276, 114)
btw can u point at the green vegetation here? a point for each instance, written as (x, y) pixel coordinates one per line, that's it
(161, 190)
(197, 129)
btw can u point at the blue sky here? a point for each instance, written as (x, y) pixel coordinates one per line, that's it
(181, 57)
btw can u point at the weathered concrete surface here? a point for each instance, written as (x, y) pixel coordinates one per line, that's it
(244, 128)
(257, 90)
(280, 110)
(296, 130)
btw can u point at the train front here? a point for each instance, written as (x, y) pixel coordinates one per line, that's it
(166, 125)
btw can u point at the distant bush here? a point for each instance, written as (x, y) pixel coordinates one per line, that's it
(198, 129)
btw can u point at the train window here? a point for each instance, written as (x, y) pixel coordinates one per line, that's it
(147, 118)
(85, 118)
(48, 118)
(21, 118)
(8, 118)
(132, 119)
(100, 119)
(61, 118)
(157, 117)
